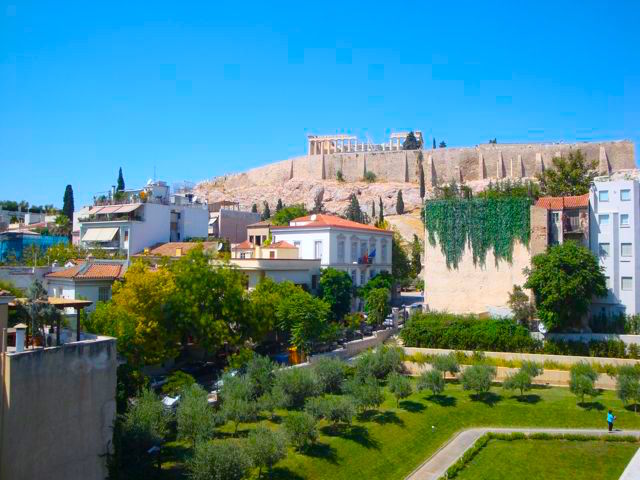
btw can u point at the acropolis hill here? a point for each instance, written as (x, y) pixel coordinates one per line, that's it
(300, 179)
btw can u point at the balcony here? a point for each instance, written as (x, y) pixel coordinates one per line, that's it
(574, 225)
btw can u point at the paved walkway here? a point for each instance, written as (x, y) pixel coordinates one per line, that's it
(436, 465)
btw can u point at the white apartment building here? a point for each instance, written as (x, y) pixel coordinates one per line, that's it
(142, 219)
(615, 234)
(361, 250)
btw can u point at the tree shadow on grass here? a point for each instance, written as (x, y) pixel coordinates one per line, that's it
(444, 400)
(591, 405)
(280, 473)
(632, 407)
(411, 406)
(538, 386)
(355, 433)
(323, 451)
(387, 417)
(488, 398)
(529, 398)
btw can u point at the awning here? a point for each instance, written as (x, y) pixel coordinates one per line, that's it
(100, 234)
(128, 208)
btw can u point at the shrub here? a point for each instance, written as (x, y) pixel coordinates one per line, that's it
(446, 363)
(330, 374)
(520, 380)
(301, 429)
(379, 363)
(628, 370)
(466, 332)
(431, 380)
(369, 177)
(339, 176)
(260, 373)
(266, 447)
(533, 369)
(366, 392)
(297, 384)
(195, 418)
(478, 378)
(177, 382)
(228, 460)
(399, 386)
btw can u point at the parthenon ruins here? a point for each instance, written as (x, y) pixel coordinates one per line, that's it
(321, 144)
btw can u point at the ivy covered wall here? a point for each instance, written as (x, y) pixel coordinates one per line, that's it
(481, 224)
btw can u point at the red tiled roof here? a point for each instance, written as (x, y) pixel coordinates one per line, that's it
(85, 270)
(244, 245)
(169, 249)
(560, 203)
(322, 220)
(281, 244)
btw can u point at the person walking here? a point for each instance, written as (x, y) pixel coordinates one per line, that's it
(610, 418)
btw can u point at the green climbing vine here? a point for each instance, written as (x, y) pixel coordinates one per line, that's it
(481, 224)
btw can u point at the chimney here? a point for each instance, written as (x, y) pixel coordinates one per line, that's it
(21, 329)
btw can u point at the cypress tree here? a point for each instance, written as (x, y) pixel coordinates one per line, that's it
(67, 203)
(279, 205)
(120, 186)
(353, 211)
(399, 203)
(421, 175)
(373, 210)
(434, 143)
(380, 212)
(266, 212)
(254, 208)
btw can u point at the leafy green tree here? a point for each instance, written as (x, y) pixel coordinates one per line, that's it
(582, 380)
(266, 212)
(286, 214)
(238, 408)
(478, 378)
(399, 203)
(339, 410)
(227, 460)
(195, 418)
(353, 211)
(266, 447)
(411, 142)
(210, 303)
(522, 308)
(120, 185)
(416, 256)
(40, 311)
(335, 288)
(399, 386)
(297, 385)
(279, 205)
(494, 141)
(534, 369)
(305, 317)
(520, 380)
(628, 389)
(569, 176)
(381, 280)
(400, 263)
(445, 363)
(177, 382)
(379, 363)
(564, 280)
(376, 304)
(301, 429)
(67, 202)
(273, 400)
(443, 144)
(431, 380)
(330, 374)
(261, 373)
(254, 208)
(366, 393)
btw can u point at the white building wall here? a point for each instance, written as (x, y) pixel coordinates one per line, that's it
(193, 222)
(615, 233)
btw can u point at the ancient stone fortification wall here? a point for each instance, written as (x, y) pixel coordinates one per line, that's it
(471, 288)
(440, 165)
(58, 412)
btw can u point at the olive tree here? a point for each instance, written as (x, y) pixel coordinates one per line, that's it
(478, 378)
(266, 447)
(431, 380)
(399, 386)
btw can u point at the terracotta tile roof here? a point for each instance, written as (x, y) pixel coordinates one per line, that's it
(281, 244)
(322, 220)
(104, 271)
(262, 223)
(246, 245)
(560, 203)
(169, 249)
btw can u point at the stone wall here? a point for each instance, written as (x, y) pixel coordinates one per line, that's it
(57, 412)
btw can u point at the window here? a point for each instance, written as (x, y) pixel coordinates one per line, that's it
(318, 249)
(625, 195)
(624, 220)
(354, 252)
(625, 250)
(603, 220)
(603, 195)
(314, 281)
(353, 277)
(383, 252)
(555, 217)
(372, 251)
(340, 251)
(296, 243)
(608, 282)
(103, 294)
(603, 251)
(126, 235)
(626, 283)
(363, 249)
(272, 254)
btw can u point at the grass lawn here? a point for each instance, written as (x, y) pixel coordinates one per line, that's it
(391, 442)
(557, 460)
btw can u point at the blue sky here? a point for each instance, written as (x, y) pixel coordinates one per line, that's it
(196, 90)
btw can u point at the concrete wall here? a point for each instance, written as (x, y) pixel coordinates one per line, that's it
(58, 410)
(440, 165)
(471, 288)
(233, 224)
(587, 337)
(23, 277)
